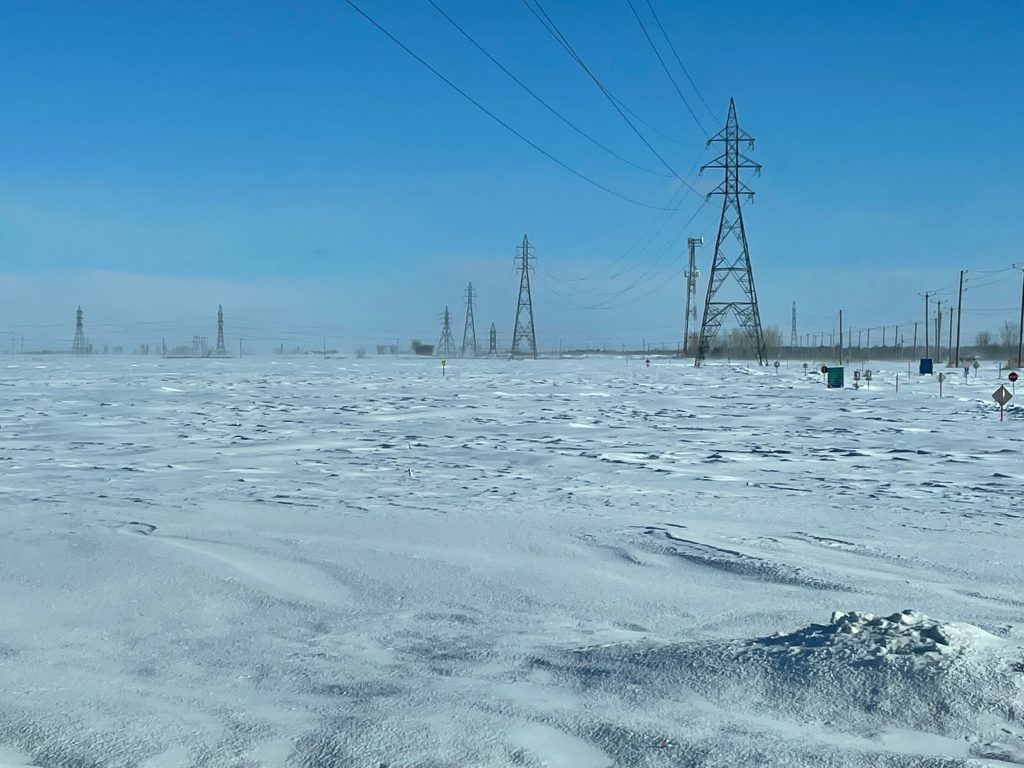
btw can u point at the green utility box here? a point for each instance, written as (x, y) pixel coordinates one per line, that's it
(835, 378)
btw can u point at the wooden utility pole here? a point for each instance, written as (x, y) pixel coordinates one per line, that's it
(840, 338)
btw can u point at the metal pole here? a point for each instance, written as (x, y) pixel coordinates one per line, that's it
(927, 341)
(938, 329)
(915, 339)
(959, 317)
(949, 353)
(1020, 330)
(840, 338)
(896, 345)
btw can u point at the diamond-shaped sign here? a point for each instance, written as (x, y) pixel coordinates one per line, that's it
(1002, 395)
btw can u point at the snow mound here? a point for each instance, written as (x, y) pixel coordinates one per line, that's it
(864, 635)
(890, 687)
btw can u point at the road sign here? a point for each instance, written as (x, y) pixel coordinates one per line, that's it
(805, 367)
(867, 374)
(824, 369)
(976, 366)
(1012, 376)
(776, 365)
(1002, 396)
(443, 364)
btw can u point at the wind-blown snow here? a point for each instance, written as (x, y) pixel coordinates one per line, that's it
(580, 563)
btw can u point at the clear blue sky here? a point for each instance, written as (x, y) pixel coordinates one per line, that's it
(290, 162)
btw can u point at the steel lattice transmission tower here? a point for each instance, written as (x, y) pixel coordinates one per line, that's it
(730, 267)
(691, 290)
(469, 331)
(446, 346)
(524, 337)
(221, 350)
(493, 350)
(793, 339)
(79, 345)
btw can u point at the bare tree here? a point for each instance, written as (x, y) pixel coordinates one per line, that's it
(983, 339)
(1008, 335)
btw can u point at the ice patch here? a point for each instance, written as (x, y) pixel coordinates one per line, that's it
(556, 749)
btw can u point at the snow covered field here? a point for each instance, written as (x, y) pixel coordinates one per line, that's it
(562, 563)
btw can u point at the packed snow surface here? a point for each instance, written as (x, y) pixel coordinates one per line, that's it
(562, 563)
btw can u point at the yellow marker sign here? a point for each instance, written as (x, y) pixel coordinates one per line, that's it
(443, 364)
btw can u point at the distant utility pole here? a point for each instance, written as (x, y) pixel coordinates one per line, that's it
(524, 336)
(733, 265)
(938, 330)
(840, 338)
(896, 344)
(469, 330)
(239, 349)
(949, 351)
(959, 317)
(793, 339)
(493, 350)
(915, 338)
(692, 274)
(927, 320)
(1020, 328)
(446, 346)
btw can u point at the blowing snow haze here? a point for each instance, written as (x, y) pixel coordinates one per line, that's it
(539, 383)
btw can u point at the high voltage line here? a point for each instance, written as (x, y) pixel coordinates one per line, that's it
(546, 21)
(664, 66)
(497, 119)
(539, 99)
(679, 61)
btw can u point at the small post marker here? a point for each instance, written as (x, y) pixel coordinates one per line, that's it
(443, 364)
(867, 377)
(976, 366)
(805, 368)
(1002, 396)
(897, 382)
(942, 378)
(776, 367)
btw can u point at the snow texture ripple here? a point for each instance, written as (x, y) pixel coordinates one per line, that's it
(578, 563)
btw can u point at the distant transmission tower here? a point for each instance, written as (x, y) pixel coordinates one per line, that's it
(524, 337)
(493, 350)
(446, 346)
(731, 262)
(79, 346)
(221, 351)
(793, 342)
(469, 331)
(691, 290)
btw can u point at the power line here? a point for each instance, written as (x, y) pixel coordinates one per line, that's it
(664, 66)
(540, 100)
(493, 116)
(541, 15)
(678, 60)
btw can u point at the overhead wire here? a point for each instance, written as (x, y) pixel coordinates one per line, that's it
(664, 66)
(679, 61)
(538, 98)
(387, 33)
(545, 20)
